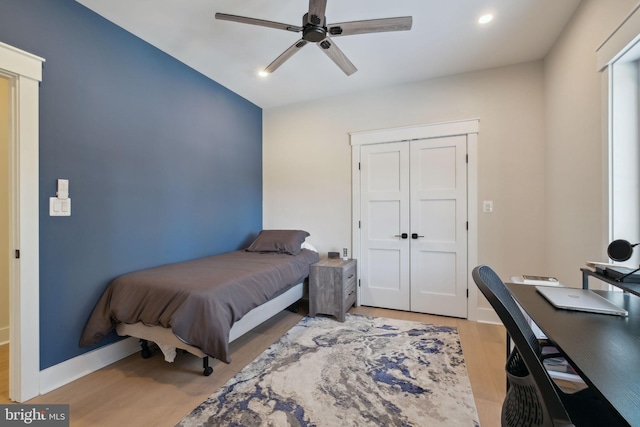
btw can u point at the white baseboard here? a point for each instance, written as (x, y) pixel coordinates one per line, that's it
(72, 369)
(490, 322)
(487, 315)
(4, 335)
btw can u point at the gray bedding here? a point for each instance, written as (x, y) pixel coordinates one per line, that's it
(199, 299)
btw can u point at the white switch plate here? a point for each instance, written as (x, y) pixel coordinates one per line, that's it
(59, 207)
(487, 206)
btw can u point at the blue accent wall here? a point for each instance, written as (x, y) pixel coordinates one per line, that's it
(163, 163)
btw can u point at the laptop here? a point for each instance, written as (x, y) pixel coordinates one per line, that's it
(580, 300)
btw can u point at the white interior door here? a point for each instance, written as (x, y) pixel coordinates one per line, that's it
(384, 273)
(413, 225)
(438, 226)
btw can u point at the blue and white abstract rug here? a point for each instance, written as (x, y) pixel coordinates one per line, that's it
(363, 372)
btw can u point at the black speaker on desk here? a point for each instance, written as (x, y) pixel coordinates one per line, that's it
(334, 255)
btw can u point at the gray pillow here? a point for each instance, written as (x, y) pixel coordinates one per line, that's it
(280, 241)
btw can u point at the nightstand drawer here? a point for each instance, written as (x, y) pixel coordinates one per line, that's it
(349, 273)
(350, 294)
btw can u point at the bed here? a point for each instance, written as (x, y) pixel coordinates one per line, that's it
(202, 305)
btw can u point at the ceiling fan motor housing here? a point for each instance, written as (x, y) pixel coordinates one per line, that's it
(314, 30)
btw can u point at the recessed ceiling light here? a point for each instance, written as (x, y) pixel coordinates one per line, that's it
(484, 19)
(263, 73)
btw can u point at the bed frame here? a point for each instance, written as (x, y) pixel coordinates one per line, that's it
(167, 341)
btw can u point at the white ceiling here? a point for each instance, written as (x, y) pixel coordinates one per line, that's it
(445, 39)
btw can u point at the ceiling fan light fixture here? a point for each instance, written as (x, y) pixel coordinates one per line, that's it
(314, 29)
(263, 73)
(485, 19)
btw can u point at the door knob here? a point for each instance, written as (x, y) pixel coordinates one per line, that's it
(403, 235)
(415, 236)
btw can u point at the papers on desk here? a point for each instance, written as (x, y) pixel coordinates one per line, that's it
(603, 265)
(536, 280)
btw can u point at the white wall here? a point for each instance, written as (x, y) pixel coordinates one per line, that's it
(307, 158)
(575, 149)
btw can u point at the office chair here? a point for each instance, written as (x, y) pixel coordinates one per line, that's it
(532, 398)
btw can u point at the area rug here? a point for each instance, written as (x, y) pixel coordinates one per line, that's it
(364, 372)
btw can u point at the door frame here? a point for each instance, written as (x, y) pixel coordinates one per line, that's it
(470, 128)
(24, 71)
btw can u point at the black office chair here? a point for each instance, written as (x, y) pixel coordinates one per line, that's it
(532, 398)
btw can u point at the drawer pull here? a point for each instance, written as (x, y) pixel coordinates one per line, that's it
(349, 277)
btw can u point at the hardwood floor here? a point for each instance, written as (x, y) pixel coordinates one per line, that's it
(4, 374)
(136, 391)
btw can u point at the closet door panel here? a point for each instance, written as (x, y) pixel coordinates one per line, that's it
(384, 275)
(438, 220)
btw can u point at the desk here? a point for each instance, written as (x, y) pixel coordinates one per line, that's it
(633, 288)
(604, 349)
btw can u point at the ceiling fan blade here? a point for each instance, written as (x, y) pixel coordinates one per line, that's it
(285, 55)
(402, 23)
(316, 12)
(329, 47)
(260, 22)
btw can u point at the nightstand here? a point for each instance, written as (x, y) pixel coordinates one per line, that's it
(332, 287)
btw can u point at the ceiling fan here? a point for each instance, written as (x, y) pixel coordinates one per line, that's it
(315, 29)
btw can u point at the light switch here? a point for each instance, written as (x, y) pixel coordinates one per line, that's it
(487, 206)
(59, 207)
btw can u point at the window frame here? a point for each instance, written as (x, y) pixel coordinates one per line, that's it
(618, 59)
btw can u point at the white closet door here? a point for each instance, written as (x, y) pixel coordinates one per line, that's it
(438, 218)
(384, 275)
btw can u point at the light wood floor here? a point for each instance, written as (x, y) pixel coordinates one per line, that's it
(136, 391)
(4, 373)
